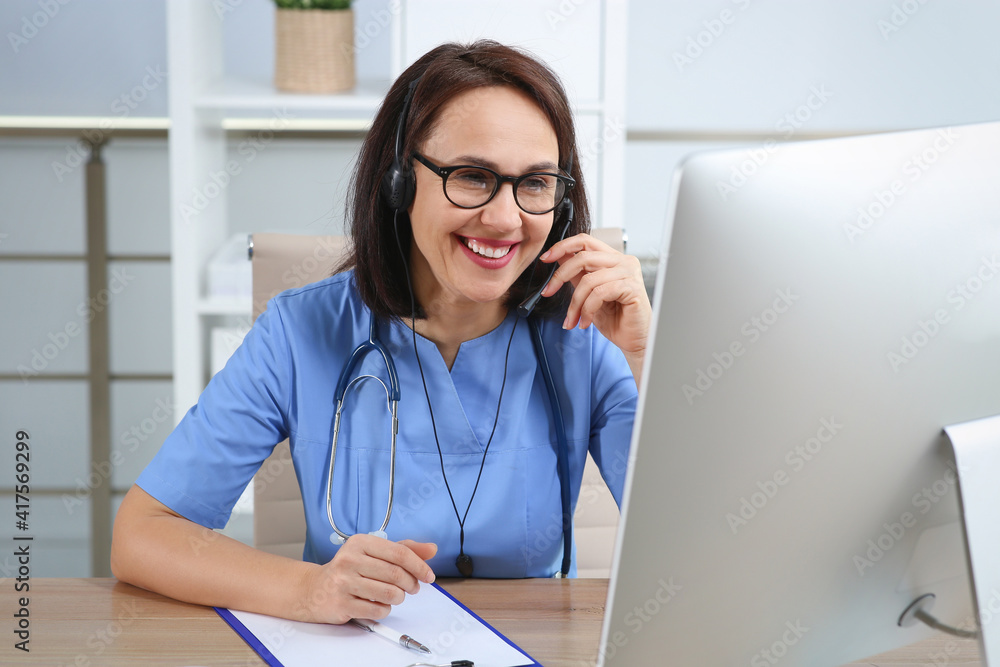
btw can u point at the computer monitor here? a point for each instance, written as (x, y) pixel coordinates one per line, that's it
(823, 309)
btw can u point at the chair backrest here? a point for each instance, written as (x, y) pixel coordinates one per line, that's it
(280, 262)
(284, 261)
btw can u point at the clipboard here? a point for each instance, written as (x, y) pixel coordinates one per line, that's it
(450, 629)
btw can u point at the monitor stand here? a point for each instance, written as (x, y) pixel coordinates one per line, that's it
(976, 445)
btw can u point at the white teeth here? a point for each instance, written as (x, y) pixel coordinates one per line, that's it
(487, 251)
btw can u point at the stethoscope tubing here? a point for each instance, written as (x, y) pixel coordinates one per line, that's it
(392, 400)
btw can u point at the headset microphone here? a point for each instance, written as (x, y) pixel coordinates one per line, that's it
(529, 304)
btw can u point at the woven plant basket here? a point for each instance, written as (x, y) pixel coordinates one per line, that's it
(314, 50)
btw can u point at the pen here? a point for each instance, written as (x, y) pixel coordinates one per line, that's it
(406, 641)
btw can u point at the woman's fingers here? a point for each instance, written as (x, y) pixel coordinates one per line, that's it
(608, 291)
(423, 550)
(599, 275)
(576, 255)
(367, 576)
(591, 297)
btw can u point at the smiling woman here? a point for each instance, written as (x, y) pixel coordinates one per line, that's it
(465, 196)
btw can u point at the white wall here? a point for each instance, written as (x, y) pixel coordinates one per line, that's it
(758, 62)
(719, 73)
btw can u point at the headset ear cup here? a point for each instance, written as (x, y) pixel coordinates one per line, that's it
(398, 184)
(409, 185)
(398, 187)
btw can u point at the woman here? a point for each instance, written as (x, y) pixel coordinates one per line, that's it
(443, 253)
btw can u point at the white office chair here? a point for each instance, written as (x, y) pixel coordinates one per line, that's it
(284, 261)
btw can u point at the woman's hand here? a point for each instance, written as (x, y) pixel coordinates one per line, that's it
(607, 291)
(365, 578)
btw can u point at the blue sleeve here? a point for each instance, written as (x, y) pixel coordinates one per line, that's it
(207, 461)
(614, 400)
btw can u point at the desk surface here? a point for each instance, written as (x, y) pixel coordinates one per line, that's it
(85, 622)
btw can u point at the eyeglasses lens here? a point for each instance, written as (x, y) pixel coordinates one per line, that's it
(534, 193)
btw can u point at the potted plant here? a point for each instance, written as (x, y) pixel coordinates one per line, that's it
(314, 46)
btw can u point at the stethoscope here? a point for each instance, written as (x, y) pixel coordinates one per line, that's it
(345, 383)
(373, 344)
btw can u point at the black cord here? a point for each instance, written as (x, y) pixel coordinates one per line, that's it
(464, 562)
(562, 453)
(496, 419)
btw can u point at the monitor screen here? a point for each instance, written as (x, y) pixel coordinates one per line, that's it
(823, 309)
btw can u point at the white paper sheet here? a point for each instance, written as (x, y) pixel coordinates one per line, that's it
(447, 628)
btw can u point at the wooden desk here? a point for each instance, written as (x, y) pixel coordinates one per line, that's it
(90, 622)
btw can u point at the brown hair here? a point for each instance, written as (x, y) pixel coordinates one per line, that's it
(446, 72)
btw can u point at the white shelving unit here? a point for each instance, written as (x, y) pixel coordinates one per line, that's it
(584, 43)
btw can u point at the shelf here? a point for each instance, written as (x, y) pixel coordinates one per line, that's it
(235, 97)
(350, 125)
(59, 125)
(105, 123)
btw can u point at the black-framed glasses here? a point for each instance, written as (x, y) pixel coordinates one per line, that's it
(468, 186)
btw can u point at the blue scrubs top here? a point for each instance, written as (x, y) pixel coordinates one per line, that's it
(280, 384)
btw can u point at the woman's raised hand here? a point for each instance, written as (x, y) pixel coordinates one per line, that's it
(608, 291)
